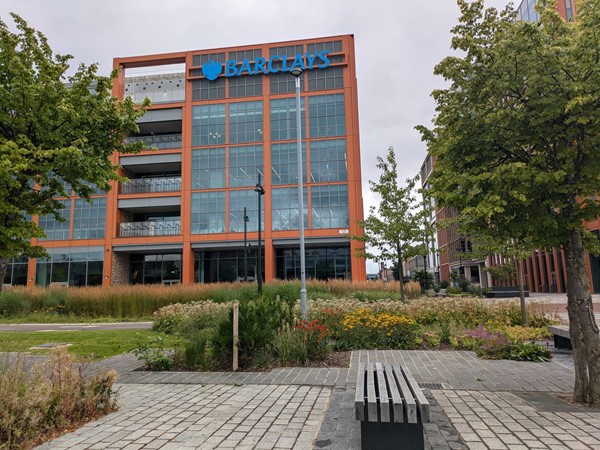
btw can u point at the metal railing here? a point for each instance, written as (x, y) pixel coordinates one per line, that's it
(144, 185)
(150, 228)
(160, 141)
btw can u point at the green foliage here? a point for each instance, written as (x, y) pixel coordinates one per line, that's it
(307, 341)
(196, 352)
(13, 304)
(398, 228)
(424, 278)
(39, 402)
(454, 290)
(52, 133)
(530, 351)
(151, 350)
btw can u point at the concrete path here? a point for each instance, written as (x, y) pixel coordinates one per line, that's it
(476, 404)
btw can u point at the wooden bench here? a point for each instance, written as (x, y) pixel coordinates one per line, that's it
(562, 336)
(391, 407)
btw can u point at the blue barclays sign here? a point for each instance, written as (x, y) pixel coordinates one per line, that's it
(212, 69)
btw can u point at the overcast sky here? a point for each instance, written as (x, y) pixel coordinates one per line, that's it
(398, 43)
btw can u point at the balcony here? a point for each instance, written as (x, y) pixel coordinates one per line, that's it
(163, 88)
(163, 141)
(145, 185)
(150, 228)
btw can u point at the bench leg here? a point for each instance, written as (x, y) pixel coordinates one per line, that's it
(388, 436)
(562, 342)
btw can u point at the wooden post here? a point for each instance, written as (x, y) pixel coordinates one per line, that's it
(235, 335)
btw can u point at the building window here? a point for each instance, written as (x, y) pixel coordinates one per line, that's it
(16, 271)
(245, 163)
(198, 60)
(331, 47)
(284, 163)
(245, 122)
(328, 161)
(237, 201)
(290, 50)
(327, 115)
(205, 89)
(226, 266)
(284, 83)
(285, 209)
(208, 125)
(568, 9)
(153, 269)
(330, 206)
(321, 263)
(247, 86)
(72, 267)
(323, 79)
(55, 230)
(208, 168)
(250, 55)
(208, 212)
(283, 119)
(89, 221)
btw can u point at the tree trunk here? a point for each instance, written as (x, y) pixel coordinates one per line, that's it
(521, 283)
(401, 279)
(582, 324)
(3, 266)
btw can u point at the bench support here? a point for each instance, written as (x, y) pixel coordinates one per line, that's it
(391, 436)
(562, 342)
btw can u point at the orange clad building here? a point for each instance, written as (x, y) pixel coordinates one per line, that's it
(219, 120)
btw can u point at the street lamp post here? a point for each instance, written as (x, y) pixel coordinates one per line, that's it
(297, 72)
(245, 245)
(260, 191)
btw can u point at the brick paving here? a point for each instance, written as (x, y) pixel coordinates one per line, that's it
(476, 404)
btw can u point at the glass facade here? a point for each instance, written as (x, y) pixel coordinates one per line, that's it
(327, 115)
(284, 163)
(208, 212)
(205, 89)
(245, 163)
(155, 269)
(237, 201)
(286, 209)
(71, 267)
(208, 125)
(328, 161)
(245, 86)
(284, 83)
(245, 122)
(208, 168)
(321, 263)
(329, 78)
(283, 119)
(330, 206)
(89, 220)
(16, 271)
(55, 230)
(226, 265)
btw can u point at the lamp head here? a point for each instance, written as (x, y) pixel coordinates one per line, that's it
(296, 71)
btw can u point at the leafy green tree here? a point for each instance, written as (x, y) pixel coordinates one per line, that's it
(517, 144)
(398, 227)
(51, 132)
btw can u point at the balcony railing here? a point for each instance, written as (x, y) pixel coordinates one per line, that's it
(161, 141)
(144, 185)
(150, 228)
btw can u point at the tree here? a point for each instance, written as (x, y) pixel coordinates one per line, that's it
(397, 228)
(517, 144)
(51, 133)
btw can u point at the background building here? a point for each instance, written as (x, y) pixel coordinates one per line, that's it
(180, 217)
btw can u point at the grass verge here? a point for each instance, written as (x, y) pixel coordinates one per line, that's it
(97, 344)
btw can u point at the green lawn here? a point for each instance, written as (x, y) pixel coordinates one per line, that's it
(64, 318)
(97, 344)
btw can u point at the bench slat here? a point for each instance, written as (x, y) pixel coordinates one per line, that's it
(409, 402)
(384, 402)
(359, 398)
(422, 402)
(395, 394)
(371, 395)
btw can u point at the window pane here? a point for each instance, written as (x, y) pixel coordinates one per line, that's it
(89, 219)
(283, 119)
(208, 212)
(208, 125)
(208, 168)
(245, 122)
(330, 206)
(284, 163)
(327, 115)
(328, 161)
(285, 209)
(54, 229)
(245, 163)
(237, 201)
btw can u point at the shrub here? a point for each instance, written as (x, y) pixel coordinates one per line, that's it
(431, 339)
(412, 289)
(42, 402)
(196, 352)
(530, 351)
(306, 341)
(184, 318)
(444, 284)
(12, 303)
(364, 328)
(519, 333)
(454, 290)
(153, 353)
